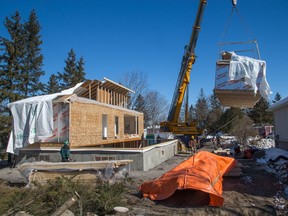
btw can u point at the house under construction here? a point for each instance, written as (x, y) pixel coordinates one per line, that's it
(95, 119)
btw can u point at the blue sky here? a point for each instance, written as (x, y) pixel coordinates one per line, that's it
(115, 37)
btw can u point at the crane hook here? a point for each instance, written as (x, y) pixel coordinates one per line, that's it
(234, 2)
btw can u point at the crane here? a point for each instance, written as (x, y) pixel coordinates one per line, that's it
(172, 124)
(188, 59)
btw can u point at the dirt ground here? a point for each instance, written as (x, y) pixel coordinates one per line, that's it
(252, 193)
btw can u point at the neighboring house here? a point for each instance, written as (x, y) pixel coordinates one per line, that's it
(265, 130)
(91, 114)
(280, 115)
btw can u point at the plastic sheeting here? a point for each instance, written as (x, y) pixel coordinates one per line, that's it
(249, 69)
(32, 119)
(244, 73)
(202, 172)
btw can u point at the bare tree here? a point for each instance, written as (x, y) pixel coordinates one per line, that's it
(157, 107)
(136, 81)
(243, 128)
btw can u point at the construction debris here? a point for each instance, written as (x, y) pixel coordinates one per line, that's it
(86, 172)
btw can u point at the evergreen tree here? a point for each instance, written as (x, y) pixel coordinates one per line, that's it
(215, 113)
(10, 65)
(73, 71)
(214, 102)
(201, 109)
(32, 60)
(191, 114)
(80, 69)
(11, 52)
(53, 85)
(20, 65)
(277, 98)
(259, 113)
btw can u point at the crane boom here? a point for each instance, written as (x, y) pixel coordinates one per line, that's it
(183, 80)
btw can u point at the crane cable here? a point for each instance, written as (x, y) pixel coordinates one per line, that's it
(242, 22)
(227, 25)
(226, 124)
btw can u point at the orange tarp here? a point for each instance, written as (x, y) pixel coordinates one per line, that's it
(201, 172)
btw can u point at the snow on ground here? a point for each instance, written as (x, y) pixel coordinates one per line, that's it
(279, 167)
(272, 153)
(265, 143)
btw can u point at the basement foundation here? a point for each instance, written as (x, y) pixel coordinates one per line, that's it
(144, 158)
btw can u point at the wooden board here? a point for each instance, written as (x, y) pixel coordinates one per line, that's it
(42, 177)
(48, 166)
(237, 98)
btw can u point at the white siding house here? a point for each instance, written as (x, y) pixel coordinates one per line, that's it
(280, 115)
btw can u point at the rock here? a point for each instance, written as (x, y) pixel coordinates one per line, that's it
(22, 213)
(120, 210)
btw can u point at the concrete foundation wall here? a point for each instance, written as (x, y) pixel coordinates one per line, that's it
(143, 158)
(156, 154)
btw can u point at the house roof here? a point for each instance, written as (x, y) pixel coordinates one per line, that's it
(81, 89)
(116, 86)
(278, 104)
(89, 88)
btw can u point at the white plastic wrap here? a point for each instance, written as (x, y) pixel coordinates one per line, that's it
(32, 120)
(242, 73)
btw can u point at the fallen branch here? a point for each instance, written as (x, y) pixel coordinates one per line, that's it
(67, 204)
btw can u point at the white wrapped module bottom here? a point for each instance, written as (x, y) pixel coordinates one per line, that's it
(240, 81)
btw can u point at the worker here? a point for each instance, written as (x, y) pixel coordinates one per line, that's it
(237, 149)
(193, 145)
(65, 152)
(218, 139)
(214, 142)
(158, 139)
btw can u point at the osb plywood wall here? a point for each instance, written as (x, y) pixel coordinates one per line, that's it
(86, 125)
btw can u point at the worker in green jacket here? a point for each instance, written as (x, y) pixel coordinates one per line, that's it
(65, 152)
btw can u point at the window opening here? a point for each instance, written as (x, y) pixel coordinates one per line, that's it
(116, 126)
(104, 126)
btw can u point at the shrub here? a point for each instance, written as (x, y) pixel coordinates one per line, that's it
(44, 200)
